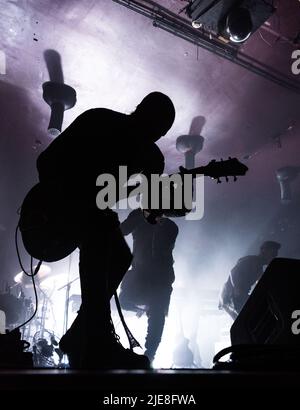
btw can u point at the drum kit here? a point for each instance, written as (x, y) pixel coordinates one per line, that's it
(18, 304)
(16, 301)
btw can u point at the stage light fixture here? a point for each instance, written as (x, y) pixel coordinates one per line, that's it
(232, 20)
(239, 25)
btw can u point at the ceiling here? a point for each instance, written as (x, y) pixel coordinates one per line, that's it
(112, 57)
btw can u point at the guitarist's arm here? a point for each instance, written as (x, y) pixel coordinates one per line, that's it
(226, 301)
(151, 214)
(171, 211)
(131, 222)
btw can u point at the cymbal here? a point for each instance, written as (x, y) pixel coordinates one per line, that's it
(26, 281)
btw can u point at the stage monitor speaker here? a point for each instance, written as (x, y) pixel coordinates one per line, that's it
(270, 315)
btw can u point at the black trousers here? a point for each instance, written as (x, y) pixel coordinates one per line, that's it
(151, 296)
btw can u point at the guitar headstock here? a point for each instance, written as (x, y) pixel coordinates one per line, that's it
(230, 167)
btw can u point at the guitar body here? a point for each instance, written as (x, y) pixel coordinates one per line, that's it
(46, 226)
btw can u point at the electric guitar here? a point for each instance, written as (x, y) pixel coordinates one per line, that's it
(48, 221)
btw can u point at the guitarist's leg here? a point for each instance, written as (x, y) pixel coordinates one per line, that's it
(95, 308)
(120, 260)
(104, 259)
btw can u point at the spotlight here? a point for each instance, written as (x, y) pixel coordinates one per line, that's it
(232, 20)
(239, 25)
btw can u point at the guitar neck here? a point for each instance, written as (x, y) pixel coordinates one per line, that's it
(195, 171)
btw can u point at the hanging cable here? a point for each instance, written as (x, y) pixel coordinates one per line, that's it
(32, 274)
(131, 339)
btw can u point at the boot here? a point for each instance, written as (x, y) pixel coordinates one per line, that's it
(107, 353)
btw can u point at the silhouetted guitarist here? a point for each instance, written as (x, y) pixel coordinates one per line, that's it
(98, 141)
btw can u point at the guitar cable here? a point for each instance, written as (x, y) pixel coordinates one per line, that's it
(32, 274)
(131, 339)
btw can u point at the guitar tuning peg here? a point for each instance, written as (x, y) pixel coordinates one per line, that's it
(234, 178)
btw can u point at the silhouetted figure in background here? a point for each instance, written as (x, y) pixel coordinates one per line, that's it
(147, 287)
(183, 357)
(244, 276)
(98, 141)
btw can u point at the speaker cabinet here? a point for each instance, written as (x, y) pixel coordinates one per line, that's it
(269, 316)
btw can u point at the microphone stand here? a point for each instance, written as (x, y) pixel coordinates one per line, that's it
(66, 317)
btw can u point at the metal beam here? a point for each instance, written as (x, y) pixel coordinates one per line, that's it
(180, 27)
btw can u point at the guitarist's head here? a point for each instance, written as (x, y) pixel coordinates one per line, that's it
(154, 116)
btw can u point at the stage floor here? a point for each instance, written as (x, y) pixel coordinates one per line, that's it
(147, 388)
